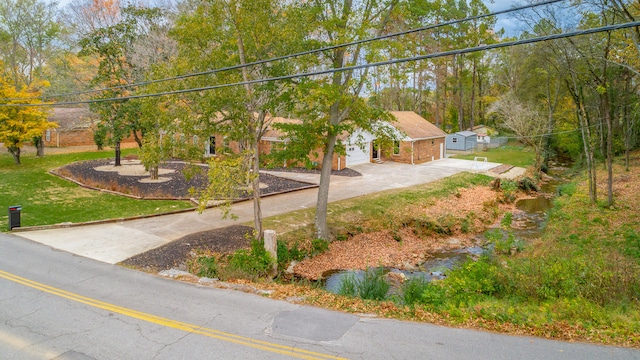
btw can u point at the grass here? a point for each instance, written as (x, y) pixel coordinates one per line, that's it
(372, 212)
(513, 155)
(47, 199)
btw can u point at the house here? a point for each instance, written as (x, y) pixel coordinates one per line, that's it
(75, 128)
(462, 140)
(418, 141)
(484, 129)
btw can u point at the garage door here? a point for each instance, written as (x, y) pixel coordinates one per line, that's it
(356, 155)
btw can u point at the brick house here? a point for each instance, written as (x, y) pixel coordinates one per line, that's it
(75, 128)
(419, 141)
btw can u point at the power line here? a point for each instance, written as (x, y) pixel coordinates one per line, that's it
(362, 66)
(309, 52)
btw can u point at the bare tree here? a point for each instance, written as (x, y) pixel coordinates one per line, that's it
(525, 121)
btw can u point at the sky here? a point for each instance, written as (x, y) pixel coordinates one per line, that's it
(510, 25)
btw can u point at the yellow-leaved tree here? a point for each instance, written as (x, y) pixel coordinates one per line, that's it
(20, 120)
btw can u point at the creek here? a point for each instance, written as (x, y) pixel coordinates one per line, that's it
(528, 222)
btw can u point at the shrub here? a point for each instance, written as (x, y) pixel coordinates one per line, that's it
(372, 286)
(434, 296)
(318, 246)
(467, 283)
(204, 266)
(286, 254)
(251, 264)
(413, 289)
(509, 188)
(567, 189)
(507, 220)
(528, 184)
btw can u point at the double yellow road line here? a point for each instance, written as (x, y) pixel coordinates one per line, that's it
(190, 328)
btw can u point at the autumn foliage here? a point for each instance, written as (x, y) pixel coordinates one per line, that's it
(21, 119)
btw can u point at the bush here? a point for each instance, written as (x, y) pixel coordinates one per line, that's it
(318, 246)
(467, 283)
(412, 290)
(286, 254)
(205, 266)
(372, 286)
(251, 264)
(528, 184)
(509, 188)
(567, 189)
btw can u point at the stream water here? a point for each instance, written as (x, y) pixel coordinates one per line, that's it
(528, 222)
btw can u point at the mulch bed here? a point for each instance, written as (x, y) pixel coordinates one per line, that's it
(176, 253)
(176, 188)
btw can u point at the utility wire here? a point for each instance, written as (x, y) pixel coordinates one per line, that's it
(309, 52)
(362, 66)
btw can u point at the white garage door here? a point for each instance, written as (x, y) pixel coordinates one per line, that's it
(356, 155)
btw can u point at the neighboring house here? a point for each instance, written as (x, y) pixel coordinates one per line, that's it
(418, 141)
(75, 128)
(462, 140)
(484, 129)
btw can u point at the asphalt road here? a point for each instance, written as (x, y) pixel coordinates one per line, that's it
(55, 305)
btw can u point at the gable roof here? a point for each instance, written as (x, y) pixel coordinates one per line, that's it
(415, 126)
(72, 118)
(272, 133)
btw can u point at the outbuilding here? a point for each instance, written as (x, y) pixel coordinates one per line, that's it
(462, 140)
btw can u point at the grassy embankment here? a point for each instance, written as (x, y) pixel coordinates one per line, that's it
(580, 281)
(47, 199)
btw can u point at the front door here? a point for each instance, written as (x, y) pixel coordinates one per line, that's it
(376, 152)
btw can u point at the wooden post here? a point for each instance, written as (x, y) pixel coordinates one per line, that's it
(271, 246)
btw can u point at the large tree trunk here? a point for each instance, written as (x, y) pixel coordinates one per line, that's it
(472, 113)
(255, 156)
(607, 118)
(39, 146)
(322, 204)
(15, 152)
(118, 154)
(257, 206)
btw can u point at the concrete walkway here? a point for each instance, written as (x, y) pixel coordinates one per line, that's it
(115, 242)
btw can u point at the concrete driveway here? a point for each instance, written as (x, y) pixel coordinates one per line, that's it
(117, 241)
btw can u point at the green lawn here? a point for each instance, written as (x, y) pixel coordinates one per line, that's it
(47, 199)
(513, 155)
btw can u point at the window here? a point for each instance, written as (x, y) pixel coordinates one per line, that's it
(47, 135)
(212, 145)
(454, 140)
(396, 147)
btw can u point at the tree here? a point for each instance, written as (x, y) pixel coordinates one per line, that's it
(114, 45)
(223, 33)
(330, 106)
(19, 123)
(525, 121)
(28, 31)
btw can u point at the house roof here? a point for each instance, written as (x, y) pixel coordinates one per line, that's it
(415, 126)
(72, 118)
(272, 133)
(466, 133)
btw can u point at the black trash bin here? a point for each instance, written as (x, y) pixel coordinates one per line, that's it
(14, 216)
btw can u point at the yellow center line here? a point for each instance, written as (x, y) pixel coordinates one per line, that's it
(220, 335)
